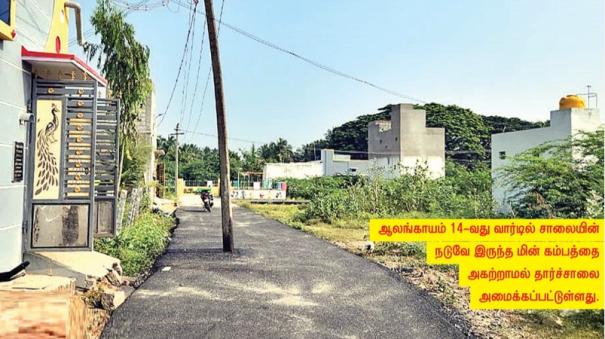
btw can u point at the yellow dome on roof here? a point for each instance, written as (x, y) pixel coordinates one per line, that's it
(571, 101)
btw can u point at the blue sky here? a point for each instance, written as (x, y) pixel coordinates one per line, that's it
(513, 58)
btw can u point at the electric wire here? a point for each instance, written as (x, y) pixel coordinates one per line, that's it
(197, 77)
(185, 90)
(310, 61)
(201, 111)
(163, 115)
(257, 142)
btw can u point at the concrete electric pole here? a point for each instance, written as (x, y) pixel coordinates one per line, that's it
(177, 132)
(227, 220)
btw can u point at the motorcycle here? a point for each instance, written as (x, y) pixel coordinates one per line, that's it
(207, 200)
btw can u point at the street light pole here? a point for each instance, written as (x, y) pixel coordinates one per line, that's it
(227, 220)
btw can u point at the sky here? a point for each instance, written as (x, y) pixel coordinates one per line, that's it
(513, 58)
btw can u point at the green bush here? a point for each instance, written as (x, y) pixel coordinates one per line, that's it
(327, 207)
(560, 179)
(313, 187)
(138, 245)
(463, 193)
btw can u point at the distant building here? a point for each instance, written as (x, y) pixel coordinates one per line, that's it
(405, 142)
(342, 164)
(571, 117)
(330, 164)
(393, 146)
(293, 170)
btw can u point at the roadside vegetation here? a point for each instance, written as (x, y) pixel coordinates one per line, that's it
(551, 184)
(467, 143)
(139, 244)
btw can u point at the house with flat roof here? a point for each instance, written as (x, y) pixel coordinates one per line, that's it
(404, 142)
(571, 118)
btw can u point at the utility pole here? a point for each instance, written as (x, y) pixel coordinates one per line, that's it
(227, 220)
(177, 132)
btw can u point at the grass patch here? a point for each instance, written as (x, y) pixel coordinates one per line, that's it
(138, 245)
(339, 231)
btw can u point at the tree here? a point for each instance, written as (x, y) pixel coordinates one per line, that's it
(562, 179)
(468, 135)
(498, 124)
(353, 135)
(124, 62)
(251, 161)
(278, 151)
(311, 151)
(465, 132)
(136, 163)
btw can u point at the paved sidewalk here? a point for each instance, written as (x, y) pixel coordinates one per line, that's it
(283, 283)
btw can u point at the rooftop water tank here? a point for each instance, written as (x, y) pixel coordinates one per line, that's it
(571, 101)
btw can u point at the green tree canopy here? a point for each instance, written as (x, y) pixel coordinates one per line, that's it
(123, 60)
(468, 134)
(277, 151)
(251, 160)
(558, 179)
(125, 63)
(465, 132)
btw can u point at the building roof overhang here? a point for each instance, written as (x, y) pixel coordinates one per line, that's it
(65, 63)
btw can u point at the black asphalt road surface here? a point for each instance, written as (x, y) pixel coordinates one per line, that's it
(281, 283)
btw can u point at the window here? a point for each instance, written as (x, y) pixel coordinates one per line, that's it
(502, 155)
(5, 11)
(7, 19)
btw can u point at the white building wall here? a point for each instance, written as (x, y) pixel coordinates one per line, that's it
(32, 25)
(295, 170)
(563, 124)
(330, 164)
(342, 164)
(407, 140)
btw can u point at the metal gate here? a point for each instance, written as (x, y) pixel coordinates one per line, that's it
(63, 183)
(106, 167)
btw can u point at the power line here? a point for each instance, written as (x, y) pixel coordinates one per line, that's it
(310, 61)
(197, 78)
(230, 138)
(397, 153)
(185, 91)
(163, 115)
(257, 142)
(199, 116)
(129, 8)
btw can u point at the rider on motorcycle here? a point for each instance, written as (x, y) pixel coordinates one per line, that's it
(207, 199)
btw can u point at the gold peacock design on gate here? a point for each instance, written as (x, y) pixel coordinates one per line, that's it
(47, 163)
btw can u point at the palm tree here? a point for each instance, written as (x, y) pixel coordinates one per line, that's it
(283, 150)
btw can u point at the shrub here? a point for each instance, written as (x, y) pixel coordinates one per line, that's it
(138, 245)
(562, 179)
(328, 207)
(313, 187)
(462, 193)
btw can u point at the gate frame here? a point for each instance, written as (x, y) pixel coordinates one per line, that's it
(115, 198)
(30, 202)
